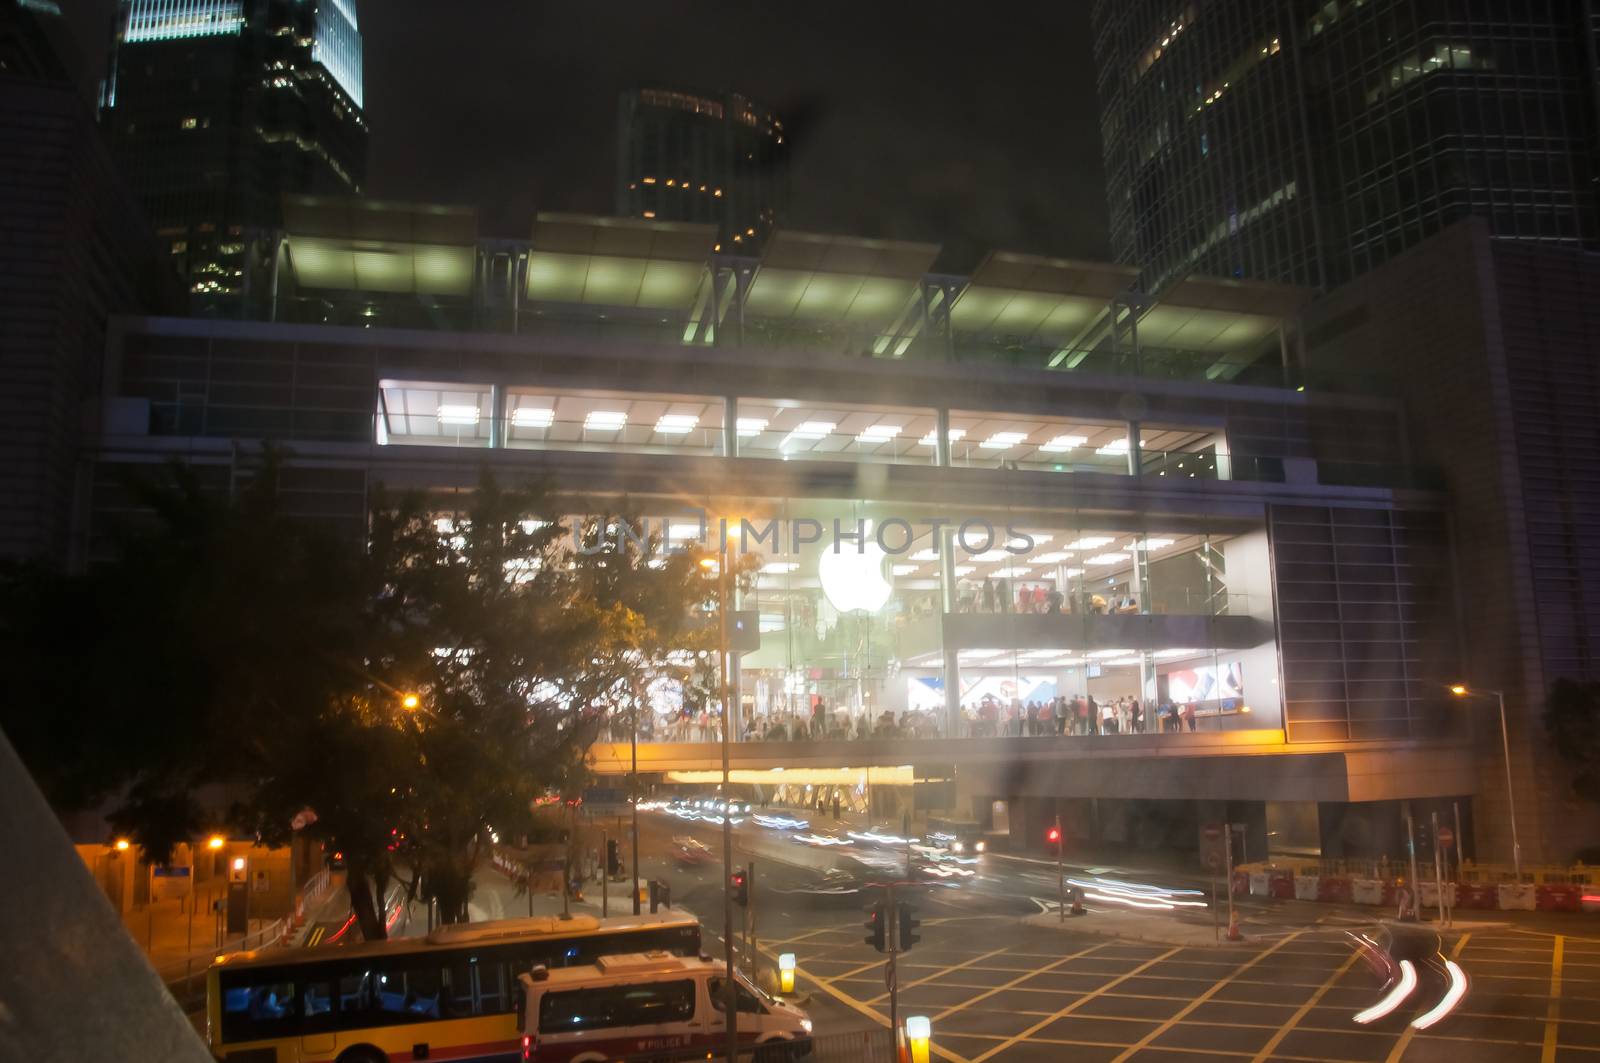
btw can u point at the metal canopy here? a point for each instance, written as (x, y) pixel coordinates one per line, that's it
(1051, 300)
(622, 262)
(811, 277)
(372, 246)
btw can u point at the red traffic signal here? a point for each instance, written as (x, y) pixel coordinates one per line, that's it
(740, 884)
(1053, 835)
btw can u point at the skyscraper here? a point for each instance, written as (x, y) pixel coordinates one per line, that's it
(1313, 140)
(716, 159)
(216, 108)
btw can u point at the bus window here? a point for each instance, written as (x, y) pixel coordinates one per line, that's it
(649, 1004)
(261, 1010)
(317, 1007)
(458, 987)
(389, 997)
(494, 992)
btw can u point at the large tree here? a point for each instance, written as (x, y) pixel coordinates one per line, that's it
(415, 690)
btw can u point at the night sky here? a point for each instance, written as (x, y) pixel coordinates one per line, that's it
(965, 125)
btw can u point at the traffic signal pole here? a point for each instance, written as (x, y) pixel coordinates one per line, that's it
(1061, 877)
(730, 1002)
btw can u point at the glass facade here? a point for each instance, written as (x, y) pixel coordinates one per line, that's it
(1309, 141)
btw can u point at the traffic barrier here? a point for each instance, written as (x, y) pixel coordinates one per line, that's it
(1280, 885)
(1517, 896)
(1307, 887)
(1429, 894)
(1241, 883)
(1559, 898)
(1367, 891)
(1478, 896)
(1258, 884)
(1334, 889)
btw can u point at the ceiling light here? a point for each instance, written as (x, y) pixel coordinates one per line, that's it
(1054, 557)
(1106, 559)
(954, 434)
(813, 430)
(1061, 444)
(779, 568)
(1167, 655)
(925, 555)
(1070, 572)
(752, 426)
(458, 415)
(1003, 440)
(532, 417)
(1092, 542)
(989, 557)
(605, 420)
(1116, 446)
(965, 570)
(878, 433)
(1012, 572)
(676, 424)
(1097, 654)
(905, 570)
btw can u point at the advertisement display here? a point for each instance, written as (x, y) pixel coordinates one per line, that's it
(927, 692)
(1203, 683)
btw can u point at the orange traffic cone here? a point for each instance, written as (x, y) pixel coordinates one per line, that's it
(1077, 902)
(1233, 928)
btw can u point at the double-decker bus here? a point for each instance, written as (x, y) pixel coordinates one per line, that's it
(448, 996)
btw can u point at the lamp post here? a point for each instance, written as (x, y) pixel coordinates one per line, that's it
(731, 1000)
(1461, 690)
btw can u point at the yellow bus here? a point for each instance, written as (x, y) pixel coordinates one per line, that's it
(448, 996)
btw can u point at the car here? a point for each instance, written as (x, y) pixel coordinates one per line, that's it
(691, 852)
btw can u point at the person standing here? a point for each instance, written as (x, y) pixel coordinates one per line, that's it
(1093, 716)
(1188, 715)
(1136, 717)
(1060, 708)
(986, 601)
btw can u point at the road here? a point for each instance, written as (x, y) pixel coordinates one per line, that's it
(998, 988)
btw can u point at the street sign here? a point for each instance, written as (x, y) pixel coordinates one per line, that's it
(1213, 832)
(1447, 837)
(1214, 861)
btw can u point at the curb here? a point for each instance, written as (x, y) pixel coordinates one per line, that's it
(1084, 925)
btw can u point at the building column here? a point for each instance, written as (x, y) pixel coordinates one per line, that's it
(941, 438)
(497, 416)
(730, 426)
(948, 603)
(1135, 450)
(1141, 572)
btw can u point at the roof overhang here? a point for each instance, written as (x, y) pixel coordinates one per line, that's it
(622, 262)
(372, 246)
(812, 277)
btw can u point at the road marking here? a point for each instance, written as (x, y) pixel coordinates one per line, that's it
(1305, 1009)
(870, 1012)
(1075, 1005)
(938, 972)
(1216, 987)
(1048, 968)
(1552, 1020)
(1404, 1042)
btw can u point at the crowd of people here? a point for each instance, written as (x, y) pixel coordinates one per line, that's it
(989, 718)
(1005, 596)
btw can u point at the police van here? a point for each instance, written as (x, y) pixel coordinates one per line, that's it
(646, 1002)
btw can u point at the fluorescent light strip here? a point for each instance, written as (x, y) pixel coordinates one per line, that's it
(458, 415)
(1062, 444)
(676, 424)
(1003, 440)
(605, 421)
(532, 417)
(751, 426)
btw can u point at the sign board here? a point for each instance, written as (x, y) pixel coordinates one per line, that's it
(260, 881)
(1212, 832)
(1447, 837)
(1214, 861)
(169, 883)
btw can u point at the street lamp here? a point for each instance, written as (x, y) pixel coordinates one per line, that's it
(215, 842)
(121, 845)
(410, 702)
(1461, 690)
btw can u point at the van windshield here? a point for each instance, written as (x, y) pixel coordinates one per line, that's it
(749, 1002)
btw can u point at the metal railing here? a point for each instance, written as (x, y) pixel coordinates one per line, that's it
(185, 978)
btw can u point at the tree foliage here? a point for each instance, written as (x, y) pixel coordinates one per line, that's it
(1572, 720)
(228, 646)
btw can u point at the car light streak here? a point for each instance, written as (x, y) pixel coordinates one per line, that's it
(1135, 895)
(1393, 999)
(1452, 997)
(821, 839)
(781, 822)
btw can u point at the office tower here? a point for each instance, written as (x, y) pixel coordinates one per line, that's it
(217, 108)
(717, 159)
(1310, 141)
(75, 251)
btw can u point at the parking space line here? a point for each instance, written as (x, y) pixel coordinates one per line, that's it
(1134, 1048)
(1552, 1019)
(1305, 1009)
(1075, 1005)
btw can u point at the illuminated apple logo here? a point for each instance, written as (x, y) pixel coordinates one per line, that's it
(853, 579)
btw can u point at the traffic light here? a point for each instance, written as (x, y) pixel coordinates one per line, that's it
(740, 884)
(877, 926)
(613, 859)
(908, 926)
(1053, 835)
